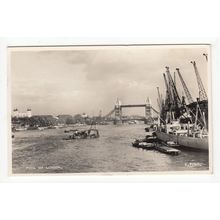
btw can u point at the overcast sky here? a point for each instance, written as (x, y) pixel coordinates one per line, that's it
(70, 80)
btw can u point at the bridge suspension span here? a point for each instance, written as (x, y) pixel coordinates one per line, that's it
(117, 113)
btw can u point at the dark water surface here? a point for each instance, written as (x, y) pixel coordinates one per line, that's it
(47, 152)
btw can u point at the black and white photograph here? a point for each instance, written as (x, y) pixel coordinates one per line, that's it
(109, 110)
(117, 109)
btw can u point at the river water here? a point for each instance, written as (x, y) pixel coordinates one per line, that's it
(47, 152)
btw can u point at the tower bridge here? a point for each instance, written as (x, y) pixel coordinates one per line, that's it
(117, 112)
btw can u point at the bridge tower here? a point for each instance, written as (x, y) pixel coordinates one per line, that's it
(148, 110)
(118, 111)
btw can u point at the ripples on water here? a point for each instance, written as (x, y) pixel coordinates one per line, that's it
(47, 152)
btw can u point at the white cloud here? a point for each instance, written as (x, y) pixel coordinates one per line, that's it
(59, 81)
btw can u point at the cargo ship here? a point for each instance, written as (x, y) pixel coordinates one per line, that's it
(189, 142)
(184, 135)
(183, 121)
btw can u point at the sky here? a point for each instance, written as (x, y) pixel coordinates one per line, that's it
(89, 79)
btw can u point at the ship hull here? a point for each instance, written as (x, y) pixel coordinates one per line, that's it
(189, 142)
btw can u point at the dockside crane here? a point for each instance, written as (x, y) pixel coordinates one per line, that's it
(168, 98)
(172, 105)
(159, 99)
(176, 102)
(206, 56)
(202, 92)
(174, 78)
(186, 90)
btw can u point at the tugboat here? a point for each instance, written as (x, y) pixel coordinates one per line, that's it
(84, 134)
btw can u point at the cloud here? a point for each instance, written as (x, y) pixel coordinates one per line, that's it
(87, 79)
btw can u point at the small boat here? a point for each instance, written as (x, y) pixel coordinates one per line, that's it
(71, 130)
(167, 150)
(21, 129)
(151, 139)
(143, 144)
(150, 128)
(53, 127)
(147, 129)
(85, 134)
(41, 128)
(132, 122)
(171, 144)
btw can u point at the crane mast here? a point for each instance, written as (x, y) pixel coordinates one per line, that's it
(174, 78)
(171, 108)
(202, 92)
(168, 94)
(159, 99)
(206, 56)
(186, 90)
(175, 96)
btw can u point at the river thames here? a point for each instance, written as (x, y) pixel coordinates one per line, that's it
(46, 152)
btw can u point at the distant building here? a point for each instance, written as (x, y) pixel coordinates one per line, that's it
(18, 114)
(84, 115)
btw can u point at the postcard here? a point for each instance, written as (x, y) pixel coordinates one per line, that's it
(110, 109)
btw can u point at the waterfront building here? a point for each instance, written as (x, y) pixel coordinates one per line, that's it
(18, 114)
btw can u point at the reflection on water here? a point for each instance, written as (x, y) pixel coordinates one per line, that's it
(47, 152)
